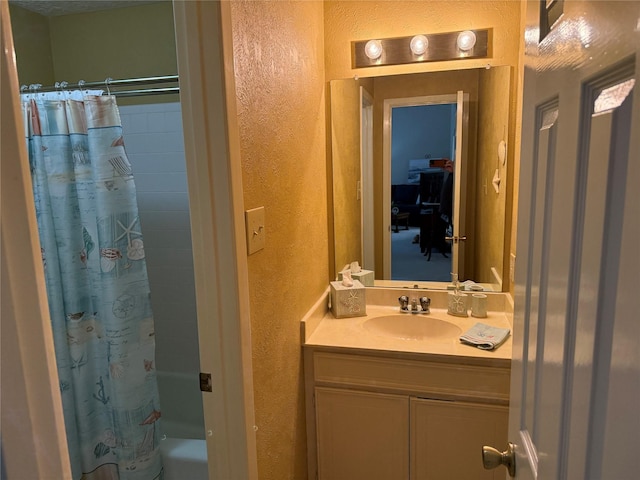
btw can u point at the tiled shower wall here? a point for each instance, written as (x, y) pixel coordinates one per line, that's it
(154, 144)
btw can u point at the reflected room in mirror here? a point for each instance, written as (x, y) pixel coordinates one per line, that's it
(391, 139)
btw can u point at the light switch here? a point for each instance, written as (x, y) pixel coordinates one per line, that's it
(254, 223)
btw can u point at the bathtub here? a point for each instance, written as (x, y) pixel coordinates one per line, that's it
(184, 458)
(183, 445)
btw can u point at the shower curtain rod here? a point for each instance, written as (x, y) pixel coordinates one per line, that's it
(108, 83)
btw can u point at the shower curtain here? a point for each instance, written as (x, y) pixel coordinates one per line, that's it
(98, 292)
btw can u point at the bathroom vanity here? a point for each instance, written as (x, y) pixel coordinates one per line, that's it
(391, 397)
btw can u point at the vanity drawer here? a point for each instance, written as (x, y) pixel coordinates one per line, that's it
(433, 379)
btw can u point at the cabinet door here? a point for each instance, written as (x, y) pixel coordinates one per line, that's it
(361, 436)
(447, 437)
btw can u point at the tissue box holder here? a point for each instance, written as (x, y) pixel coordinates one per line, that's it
(363, 276)
(348, 301)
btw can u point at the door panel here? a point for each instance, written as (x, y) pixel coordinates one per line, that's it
(445, 436)
(361, 435)
(599, 212)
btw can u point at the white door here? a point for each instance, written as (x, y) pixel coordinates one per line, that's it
(575, 385)
(366, 181)
(460, 186)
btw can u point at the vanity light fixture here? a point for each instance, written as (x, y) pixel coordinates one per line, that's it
(466, 40)
(424, 47)
(373, 49)
(419, 44)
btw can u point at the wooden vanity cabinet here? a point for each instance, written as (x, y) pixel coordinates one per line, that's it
(393, 416)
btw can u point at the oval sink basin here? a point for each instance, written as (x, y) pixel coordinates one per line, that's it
(412, 327)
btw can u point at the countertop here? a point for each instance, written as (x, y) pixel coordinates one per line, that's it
(349, 333)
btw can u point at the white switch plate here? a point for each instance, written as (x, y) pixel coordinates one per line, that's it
(254, 223)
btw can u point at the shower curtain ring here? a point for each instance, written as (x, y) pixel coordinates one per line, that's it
(59, 87)
(106, 82)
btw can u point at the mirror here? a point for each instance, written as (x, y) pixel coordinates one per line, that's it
(365, 180)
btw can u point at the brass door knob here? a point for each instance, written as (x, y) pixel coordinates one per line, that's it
(455, 239)
(492, 458)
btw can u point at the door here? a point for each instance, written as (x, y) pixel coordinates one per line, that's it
(366, 182)
(461, 101)
(576, 363)
(460, 187)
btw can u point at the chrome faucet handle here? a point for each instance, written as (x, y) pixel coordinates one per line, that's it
(425, 302)
(414, 304)
(404, 302)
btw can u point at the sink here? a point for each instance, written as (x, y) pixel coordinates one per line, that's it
(412, 327)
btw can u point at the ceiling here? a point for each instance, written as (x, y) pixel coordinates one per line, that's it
(50, 8)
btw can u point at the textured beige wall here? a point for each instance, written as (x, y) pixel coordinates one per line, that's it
(347, 21)
(32, 45)
(345, 159)
(490, 207)
(120, 43)
(278, 60)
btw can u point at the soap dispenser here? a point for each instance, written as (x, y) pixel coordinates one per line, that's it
(457, 301)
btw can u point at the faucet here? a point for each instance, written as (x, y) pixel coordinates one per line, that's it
(425, 302)
(414, 305)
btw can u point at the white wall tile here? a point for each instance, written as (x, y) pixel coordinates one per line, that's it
(154, 144)
(156, 122)
(162, 182)
(167, 238)
(169, 257)
(156, 162)
(160, 201)
(137, 123)
(174, 119)
(166, 219)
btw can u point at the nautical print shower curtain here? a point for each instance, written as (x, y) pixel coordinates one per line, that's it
(96, 277)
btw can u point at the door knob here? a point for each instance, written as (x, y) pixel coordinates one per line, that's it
(455, 239)
(492, 458)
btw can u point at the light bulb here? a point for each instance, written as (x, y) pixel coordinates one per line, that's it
(373, 49)
(419, 44)
(466, 40)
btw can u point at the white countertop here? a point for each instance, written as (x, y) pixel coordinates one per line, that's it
(350, 333)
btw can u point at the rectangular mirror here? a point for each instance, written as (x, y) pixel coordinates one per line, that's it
(388, 176)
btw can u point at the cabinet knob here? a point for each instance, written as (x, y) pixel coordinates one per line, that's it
(492, 458)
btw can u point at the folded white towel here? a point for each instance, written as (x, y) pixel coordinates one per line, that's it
(484, 336)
